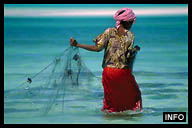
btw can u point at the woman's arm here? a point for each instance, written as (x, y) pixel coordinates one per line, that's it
(73, 42)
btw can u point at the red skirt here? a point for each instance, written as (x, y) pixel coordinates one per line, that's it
(121, 91)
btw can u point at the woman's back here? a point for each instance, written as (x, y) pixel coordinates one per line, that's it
(117, 48)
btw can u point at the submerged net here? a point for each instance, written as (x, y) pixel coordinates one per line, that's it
(64, 79)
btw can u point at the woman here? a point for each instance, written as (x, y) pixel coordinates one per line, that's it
(121, 91)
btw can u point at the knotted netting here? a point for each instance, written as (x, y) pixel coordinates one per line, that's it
(64, 79)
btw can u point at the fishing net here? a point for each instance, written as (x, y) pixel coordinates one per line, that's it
(65, 79)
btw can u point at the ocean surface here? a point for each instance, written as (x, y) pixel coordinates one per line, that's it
(160, 69)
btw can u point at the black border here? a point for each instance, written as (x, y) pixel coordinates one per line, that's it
(95, 1)
(2, 2)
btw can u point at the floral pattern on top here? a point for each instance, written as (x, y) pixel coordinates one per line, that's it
(117, 48)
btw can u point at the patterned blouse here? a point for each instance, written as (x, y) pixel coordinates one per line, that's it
(118, 49)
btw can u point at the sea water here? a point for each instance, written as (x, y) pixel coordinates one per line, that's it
(160, 69)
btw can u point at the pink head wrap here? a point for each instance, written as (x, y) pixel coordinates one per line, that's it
(127, 15)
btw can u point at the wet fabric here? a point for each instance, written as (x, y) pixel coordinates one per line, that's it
(121, 91)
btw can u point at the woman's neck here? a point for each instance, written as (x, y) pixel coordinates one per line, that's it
(121, 31)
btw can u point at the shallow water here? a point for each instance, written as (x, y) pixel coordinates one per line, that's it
(161, 68)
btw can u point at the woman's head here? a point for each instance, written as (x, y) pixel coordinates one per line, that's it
(126, 24)
(126, 17)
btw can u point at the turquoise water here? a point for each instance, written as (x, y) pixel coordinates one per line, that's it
(161, 67)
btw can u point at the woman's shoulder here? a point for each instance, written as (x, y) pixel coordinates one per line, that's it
(110, 31)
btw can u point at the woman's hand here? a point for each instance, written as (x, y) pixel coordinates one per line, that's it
(136, 48)
(73, 42)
